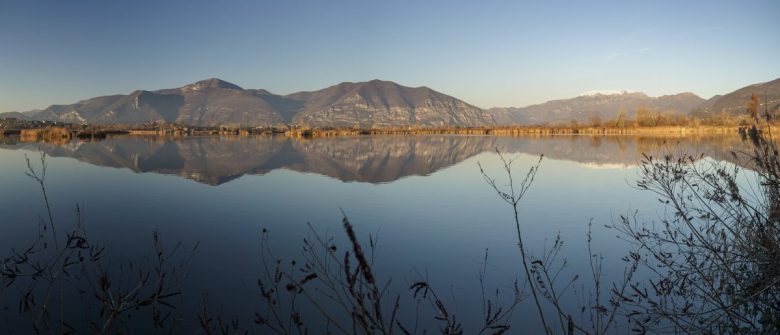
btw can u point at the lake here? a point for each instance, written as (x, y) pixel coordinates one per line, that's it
(423, 197)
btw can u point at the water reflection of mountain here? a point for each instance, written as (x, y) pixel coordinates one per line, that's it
(374, 159)
(613, 151)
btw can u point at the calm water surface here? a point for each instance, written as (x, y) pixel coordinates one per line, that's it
(423, 196)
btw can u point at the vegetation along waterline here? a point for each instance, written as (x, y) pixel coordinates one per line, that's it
(60, 133)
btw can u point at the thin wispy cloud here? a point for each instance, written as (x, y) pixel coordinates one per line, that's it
(629, 52)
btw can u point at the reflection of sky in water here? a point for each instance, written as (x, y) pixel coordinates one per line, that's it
(438, 224)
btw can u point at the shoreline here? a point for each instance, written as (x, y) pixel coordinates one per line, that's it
(66, 133)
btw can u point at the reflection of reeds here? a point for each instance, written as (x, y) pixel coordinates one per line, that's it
(520, 131)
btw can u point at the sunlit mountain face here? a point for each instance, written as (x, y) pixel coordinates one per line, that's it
(215, 102)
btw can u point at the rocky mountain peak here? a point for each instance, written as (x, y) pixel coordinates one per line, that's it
(212, 83)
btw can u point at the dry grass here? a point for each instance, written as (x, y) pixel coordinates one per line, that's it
(54, 135)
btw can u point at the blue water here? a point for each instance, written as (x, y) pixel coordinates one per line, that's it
(423, 196)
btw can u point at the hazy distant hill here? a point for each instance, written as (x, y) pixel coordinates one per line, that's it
(383, 103)
(735, 102)
(14, 115)
(27, 116)
(583, 108)
(215, 102)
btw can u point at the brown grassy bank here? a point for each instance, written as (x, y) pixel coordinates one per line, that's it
(61, 134)
(53, 134)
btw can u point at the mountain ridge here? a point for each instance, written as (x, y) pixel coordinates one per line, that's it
(584, 108)
(385, 103)
(732, 103)
(375, 103)
(215, 102)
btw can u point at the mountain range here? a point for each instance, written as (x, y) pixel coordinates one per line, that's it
(375, 103)
(214, 102)
(604, 106)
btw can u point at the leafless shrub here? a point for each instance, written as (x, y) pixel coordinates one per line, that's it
(544, 273)
(714, 259)
(54, 277)
(346, 295)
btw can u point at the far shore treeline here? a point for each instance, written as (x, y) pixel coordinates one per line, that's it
(29, 131)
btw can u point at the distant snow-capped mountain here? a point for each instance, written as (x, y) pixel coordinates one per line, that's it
(605, 105)
(606, 92)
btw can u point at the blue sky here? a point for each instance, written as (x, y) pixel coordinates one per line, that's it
(488, 53)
